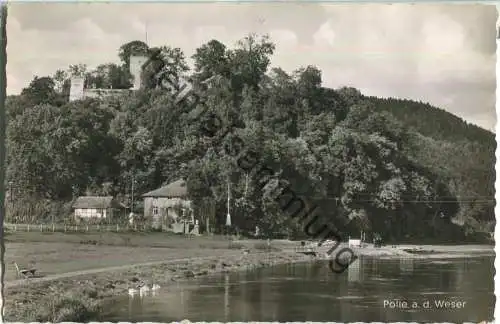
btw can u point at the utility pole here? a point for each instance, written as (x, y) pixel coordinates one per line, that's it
(132, 200)
(10, 203)
(228, 217)
(3, 124)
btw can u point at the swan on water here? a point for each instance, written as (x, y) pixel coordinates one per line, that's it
(144, 288)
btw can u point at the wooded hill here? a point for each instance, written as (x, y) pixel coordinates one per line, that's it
(461, 151)
(397, 167)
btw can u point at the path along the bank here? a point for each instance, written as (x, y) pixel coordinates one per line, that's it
(367, 251)
(29, 281)
(31, 299)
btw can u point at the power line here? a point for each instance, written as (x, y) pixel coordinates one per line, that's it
(490, 197)
(408, 201)
(431, 201)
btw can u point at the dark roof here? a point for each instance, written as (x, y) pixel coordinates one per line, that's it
(95, 202)
(175, 189)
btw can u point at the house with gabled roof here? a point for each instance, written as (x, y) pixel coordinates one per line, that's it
(170, 209)
(97, 208)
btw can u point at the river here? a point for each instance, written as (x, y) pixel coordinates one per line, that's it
(309, 292)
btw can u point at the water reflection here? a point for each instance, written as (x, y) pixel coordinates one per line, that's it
(226, 297)
(309, 292)
(354, 271)
(406, 265)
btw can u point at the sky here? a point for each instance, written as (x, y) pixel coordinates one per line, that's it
(441, 54)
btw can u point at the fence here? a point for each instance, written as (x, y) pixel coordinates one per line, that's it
(76, 228)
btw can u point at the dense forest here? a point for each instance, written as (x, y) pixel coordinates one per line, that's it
(397, 167)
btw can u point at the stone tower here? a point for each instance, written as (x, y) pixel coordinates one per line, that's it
(136, 62)
(76, 88)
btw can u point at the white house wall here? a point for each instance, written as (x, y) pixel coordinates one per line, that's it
(90, 213)
(164, 203)
(166, 207)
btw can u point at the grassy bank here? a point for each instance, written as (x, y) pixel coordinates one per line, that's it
(55, 253)
(80, 298)
(81, 270)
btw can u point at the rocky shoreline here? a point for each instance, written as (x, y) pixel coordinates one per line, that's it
(81, 298)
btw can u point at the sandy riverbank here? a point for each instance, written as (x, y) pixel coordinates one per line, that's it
(396, 251)
(427, 251)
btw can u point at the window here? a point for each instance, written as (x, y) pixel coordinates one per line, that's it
(155, 210)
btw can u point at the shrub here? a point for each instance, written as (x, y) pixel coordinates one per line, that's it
(78, 305)
(66, 308)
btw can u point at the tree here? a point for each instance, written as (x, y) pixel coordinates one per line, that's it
(109, 76)
(211, 59)
(308, 81)
(77, 70)
(355, 157)
(165, 63)
(61, 81)
(249, 62)
(135, 47)
(54, 148)
(40, 90)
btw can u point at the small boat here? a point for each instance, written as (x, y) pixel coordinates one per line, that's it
(155, 287)
(133, 291)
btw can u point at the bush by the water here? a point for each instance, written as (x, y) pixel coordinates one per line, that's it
(78, 305)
